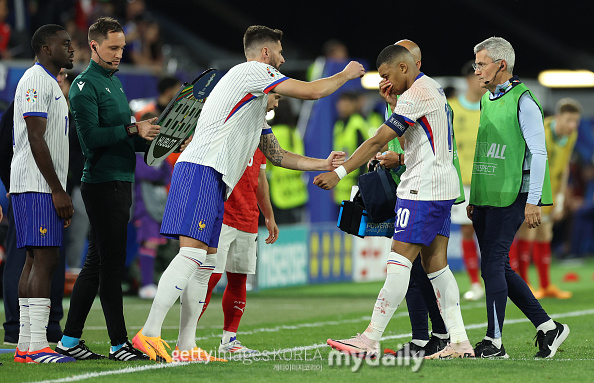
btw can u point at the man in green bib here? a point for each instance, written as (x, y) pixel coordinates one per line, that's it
(510, 183)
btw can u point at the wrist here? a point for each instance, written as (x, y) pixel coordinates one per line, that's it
(131, 129)
(341, 172)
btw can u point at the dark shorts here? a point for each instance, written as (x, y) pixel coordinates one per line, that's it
(195, 204)
(36, 220)
(421, 221)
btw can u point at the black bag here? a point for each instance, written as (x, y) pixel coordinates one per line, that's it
(378, 191)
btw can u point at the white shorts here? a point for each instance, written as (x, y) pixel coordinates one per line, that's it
(237, 251)
(459, 216)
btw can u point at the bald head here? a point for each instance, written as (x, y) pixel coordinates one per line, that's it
(414, 50)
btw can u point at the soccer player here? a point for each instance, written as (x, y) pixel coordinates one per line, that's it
(108, 140)
(420, 297)
(560, 136)
(230, 127)
(509, 186)
(39, 166)
(427, 191)
(238, 243)
(466, 108)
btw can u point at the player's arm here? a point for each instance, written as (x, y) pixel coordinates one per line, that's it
(85, 110)
(36, 127)
(263, 198)
(280, 157)
(320, 88)
(363, 153)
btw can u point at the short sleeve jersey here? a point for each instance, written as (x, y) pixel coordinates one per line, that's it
(428, 153)
(232, 119)
(39, 95)
(241, 208)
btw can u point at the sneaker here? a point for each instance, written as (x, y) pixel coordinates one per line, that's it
(486, 349)
(435, 345)
(359, 346)
(194, 355)
(47, 355)
(454, 350)
(79, 352)
(147, 292)
(553, 291)
(548, 342)
(235, 347)
(409, 349)
(475, 293)
(152, 346)
(127, 353)
(20, 356)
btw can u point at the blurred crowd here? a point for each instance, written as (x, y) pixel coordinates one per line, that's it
(20, 18)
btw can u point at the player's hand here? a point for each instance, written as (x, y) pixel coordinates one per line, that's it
(1, 213)
(388, 159)
(532, 215)
(334, 160)
(354, 70)
(272, 231)
(385, 90)
(326, 181)
(469, 211)
(147, 130)
(63, 205)
(184, 145)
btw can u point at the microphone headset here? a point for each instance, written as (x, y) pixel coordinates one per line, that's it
(107, 62)
(486, 82)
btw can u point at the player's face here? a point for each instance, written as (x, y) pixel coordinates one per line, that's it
(395, 75)
(567, 123)
(275, 57)
(272, 101)
(110, 50)
(487, 70)
(62, 52)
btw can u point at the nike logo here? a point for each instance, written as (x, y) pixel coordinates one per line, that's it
(80, 85)
(57, 98)
(398, 231)
(178, 288)
(107, 89)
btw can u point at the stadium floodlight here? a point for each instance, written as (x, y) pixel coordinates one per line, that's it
(566, 78)
(371, 80)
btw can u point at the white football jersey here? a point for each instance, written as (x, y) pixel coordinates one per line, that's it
(38, 94)
(229, 128)
(430, 174)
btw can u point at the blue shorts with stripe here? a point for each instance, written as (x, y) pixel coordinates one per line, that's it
(36, 220)
(195, 204)
(421, 221)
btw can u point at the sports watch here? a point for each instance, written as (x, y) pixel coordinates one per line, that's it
(131, 129)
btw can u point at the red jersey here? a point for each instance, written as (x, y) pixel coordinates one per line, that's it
(241, 208)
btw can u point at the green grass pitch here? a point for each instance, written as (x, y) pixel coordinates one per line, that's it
(283, 321)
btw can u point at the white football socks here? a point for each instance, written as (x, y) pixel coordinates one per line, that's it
(496, 341)
(547, 326)
(192, 302)
(24, 325)
(39, 309)
(227, 335)
(390, 296)
(171, 285)
(448, 300)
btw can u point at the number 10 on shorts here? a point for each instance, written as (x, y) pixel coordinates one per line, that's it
(402, 215)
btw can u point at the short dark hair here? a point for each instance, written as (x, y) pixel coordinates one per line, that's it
(391, 53)
(258, 34)
(167, 82)
(568, 105)
(102, 27)
(42, 34)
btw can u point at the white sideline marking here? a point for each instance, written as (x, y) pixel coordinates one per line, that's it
(127, 370)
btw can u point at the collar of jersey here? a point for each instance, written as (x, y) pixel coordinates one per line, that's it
(98, 68)
(48, 72)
